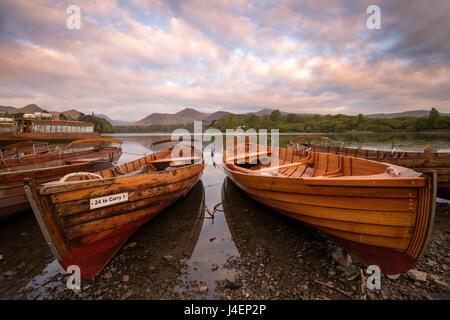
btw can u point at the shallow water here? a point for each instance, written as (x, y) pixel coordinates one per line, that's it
(208, 240)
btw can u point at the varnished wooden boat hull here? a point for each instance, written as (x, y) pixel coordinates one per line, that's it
(89, 238)
(12, 195)
(417, 161)
(379, 220)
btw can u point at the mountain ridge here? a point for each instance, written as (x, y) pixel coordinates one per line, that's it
(189, 115)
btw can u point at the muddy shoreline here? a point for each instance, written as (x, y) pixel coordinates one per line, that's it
(246, 252)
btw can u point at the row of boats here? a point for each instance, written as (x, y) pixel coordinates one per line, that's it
(380, 212)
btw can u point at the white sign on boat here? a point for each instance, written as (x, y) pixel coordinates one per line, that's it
(108, 200)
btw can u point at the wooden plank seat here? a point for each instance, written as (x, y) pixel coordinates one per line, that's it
(80, 160)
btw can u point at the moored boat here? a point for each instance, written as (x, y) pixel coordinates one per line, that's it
(41, 126)
(82, 155)
(87, 217)
(417, 161)
(381, 213)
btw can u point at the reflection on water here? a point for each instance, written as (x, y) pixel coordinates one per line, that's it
(385, 141)
(214, 247)
(377, 141)
(254, 227)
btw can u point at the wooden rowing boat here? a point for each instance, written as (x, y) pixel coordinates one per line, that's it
(80, 155)
(417, 161)
(86, 218)
(381, 213)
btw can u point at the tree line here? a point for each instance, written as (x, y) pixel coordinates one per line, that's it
(286, 123)
(332, 123)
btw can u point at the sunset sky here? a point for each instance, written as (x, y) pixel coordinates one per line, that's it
(132, 58)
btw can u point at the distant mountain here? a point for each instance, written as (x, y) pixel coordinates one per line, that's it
(414, 113)
(189, 115)
(184, 116)
(31, 108)
(216, 115)
(7, 109)
(266, 111)
(115, 122)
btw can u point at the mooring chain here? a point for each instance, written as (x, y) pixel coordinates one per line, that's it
(216, 208)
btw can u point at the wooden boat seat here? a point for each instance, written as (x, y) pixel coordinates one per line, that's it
(80, 160)
(182, 159)
(249, 156)
(141, 170)
(289, 165)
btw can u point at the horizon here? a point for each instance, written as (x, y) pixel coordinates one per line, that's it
(222, 110)
(134, 58)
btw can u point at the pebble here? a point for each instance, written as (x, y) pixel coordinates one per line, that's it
(393, 276)
(417, 275)
(231, 285)
(132, 245)
(168, 258)
(1, 257)
(9, 273)
(266, 272)
(340, 258)
(437, 281)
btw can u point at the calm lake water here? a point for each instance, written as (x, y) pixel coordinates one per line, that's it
(211, 247)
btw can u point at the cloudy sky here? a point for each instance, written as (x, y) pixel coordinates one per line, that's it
(132, 58)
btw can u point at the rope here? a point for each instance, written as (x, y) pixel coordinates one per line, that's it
(393, 171)
(80, 174)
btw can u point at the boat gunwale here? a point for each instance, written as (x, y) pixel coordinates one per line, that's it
(85, 184)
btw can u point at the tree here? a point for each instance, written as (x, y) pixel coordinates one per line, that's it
(291, 118)
(105, 126)
(266, 122)
(339, 128)
(434, 119)
(275, 116)
(250, 120)
(434, 114)
(227, 122)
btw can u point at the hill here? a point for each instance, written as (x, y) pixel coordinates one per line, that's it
(266, 111)
(184, 116)
(216, 115)
(31, 108)
(115, 122)
(7, 109)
